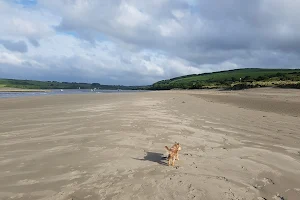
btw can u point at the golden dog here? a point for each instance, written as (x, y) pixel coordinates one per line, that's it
(173, 153)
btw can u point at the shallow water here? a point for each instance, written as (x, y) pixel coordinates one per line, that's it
(59, 92)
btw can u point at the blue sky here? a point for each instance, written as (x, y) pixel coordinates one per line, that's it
(25, 2)
(135, 42)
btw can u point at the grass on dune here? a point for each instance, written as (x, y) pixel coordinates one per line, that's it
(232, 78)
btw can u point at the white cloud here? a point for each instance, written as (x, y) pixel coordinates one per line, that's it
(139, 42)
(20, 60)
(170, 28)
(129, 16)
(19, 23)
(60, 56)
(179, 14)
(9, 58)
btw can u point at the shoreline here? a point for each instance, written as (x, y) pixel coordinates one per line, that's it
(177, 89)
(22, 90)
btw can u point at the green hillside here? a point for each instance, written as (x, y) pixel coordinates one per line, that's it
(31, 84)
(231, 79)
(234, 79)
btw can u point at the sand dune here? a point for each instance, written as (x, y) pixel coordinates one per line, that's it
(111, 146)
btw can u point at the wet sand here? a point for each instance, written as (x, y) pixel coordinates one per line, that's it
(235, 145)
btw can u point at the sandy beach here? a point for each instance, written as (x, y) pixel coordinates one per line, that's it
(236, 145)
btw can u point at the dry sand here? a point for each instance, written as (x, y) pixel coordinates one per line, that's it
(235, 145)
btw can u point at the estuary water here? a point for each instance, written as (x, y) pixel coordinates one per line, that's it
(61, 92)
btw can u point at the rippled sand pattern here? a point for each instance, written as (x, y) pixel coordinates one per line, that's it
(111, 146)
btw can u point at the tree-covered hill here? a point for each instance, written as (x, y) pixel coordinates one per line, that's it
(31, 84)
(234, 79)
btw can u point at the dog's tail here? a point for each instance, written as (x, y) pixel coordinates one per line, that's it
(167, 148)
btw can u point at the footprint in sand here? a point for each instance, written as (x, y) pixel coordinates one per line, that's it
(27, 182)
(194, 165)
(267, 181)
(261, 198)
(17, 196)
(222, 178)
(278, 197)
(192, 192)
(136, 187)
(263, 182)
(130, 176)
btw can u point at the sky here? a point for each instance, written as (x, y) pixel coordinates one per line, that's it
(134, 42)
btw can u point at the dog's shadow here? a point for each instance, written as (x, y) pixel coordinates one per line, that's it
(154, 157)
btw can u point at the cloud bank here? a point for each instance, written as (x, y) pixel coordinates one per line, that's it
(136, 42)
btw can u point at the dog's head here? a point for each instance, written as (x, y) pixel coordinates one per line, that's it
(177, 145)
